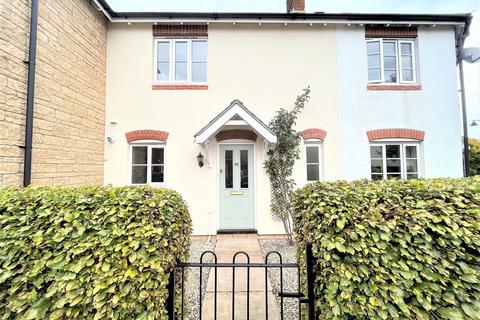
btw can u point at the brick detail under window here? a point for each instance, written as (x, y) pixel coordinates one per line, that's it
(179, 87)
(396, 133)
(314, 133)
(390, 87)
(386, 32)
(146, 135)
(180, 30)
(236, 134)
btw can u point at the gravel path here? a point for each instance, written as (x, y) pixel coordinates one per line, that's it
(193, 276)
(290, 276)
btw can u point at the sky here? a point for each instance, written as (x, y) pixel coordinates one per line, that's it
(397, 6)
(472, 72)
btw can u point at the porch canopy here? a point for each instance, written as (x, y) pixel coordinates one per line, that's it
(235, 116)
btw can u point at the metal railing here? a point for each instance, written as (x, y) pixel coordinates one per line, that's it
(302, 299)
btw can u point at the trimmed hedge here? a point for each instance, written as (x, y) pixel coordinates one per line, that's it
(89, 252)
(393, 249)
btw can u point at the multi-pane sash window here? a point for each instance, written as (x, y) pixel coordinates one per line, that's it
(313, 162)
(181, 60)
(394, 161)
(147, 164)
(391, 61)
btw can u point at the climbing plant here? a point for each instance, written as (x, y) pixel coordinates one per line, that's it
(281, 158)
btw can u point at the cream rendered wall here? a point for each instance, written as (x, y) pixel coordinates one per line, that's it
(265, 67)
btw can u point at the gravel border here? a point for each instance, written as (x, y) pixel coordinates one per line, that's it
(290, 276)
(193, 277)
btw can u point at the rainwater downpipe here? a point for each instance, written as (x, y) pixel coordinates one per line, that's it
(32, 54)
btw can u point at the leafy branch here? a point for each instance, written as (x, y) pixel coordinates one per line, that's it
(281, 159)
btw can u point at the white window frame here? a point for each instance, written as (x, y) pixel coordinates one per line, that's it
(398, 44)
(403, 160)
(319, 144)
(172, 42)
(149, 146)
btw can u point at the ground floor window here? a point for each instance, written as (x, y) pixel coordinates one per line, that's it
(394, 161)
(147, 164)
(313, 156)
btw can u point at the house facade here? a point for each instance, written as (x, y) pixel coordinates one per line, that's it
(383, 104)
(189, 96)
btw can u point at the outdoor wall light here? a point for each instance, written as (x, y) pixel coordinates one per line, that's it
(474, 123)
(200, 160)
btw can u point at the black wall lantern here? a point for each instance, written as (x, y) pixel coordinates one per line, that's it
(200, 160)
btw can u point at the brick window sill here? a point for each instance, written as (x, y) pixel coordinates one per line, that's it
(179, 87)
(399, 87)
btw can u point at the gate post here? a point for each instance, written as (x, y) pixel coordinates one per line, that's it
(310, 281)
(171, 295)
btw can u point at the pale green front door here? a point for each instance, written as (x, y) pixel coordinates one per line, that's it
(236, 187)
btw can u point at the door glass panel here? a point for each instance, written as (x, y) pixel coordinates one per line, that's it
(228, 169)
(243, 168)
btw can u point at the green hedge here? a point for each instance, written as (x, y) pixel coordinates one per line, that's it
(89, 252)
(393, 249)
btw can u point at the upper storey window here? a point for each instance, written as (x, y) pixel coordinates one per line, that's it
(391, 61)
(181, 60)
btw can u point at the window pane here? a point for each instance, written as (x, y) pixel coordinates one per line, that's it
(374, 75)
(407, 62)
(392, 151)
(157, 173)
(377, 176)
(312, 172)
(163, 71)
(373, 47)
(390, 63)
(394, 176)
(312, 154)
(393, 166)
(199, 51)
(389, 49)
(412, 165)
(374, 61)
(390, 76)
(377, 166)
(407, 75)
(376, 152)
(199, 72)
(411, 151)
(412, 176)
(139, 174)
(406, 48)
(181, 71)
(181, 51)
(157, 156)
(163, 51)
(244, 169)
(228, 169)
(139, 155)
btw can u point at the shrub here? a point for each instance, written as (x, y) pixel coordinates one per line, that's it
(89, 252)
(393, 249)
(474, 156)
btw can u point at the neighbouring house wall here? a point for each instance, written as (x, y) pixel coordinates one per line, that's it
(434, 109)
(68, 132)
(265, 67)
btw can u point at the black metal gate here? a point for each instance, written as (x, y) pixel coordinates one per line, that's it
(177, 281)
